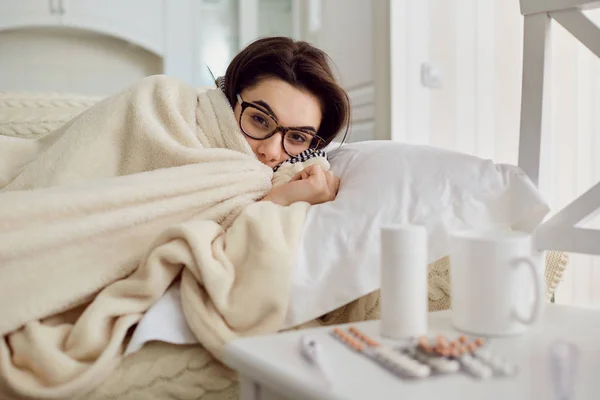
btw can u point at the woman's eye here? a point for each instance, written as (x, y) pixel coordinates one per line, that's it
(260, 120)
(296, 137)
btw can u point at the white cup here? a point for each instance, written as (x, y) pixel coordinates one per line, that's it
(497, 285)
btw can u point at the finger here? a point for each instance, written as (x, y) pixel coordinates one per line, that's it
(330, 179)
(299, 176)
(337, 185)
(314, 169)
(334, 185)
(319, 177)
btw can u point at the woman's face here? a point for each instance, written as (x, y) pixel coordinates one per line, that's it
(291, 107)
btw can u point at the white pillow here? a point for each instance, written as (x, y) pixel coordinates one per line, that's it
(381, 182)
(388, 182)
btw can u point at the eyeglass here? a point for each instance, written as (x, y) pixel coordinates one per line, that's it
(258, 123)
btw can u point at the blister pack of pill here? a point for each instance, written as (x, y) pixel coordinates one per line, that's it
(394, 361)
(428, 357)
(471, 355)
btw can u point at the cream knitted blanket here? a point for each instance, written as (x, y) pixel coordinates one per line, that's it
(100, 216)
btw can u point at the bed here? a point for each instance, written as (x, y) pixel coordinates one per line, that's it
(163, 370)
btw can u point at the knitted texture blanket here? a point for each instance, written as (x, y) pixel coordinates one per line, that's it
(100, 216)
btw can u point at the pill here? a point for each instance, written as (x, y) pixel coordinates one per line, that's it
(441, 340)
(483, 354)
(475, 367)
(423, 342)
(444, 365)
(439, 364)
(443, 351)
(356, 346)
(346, 339)
(363, 337)
(405, 364)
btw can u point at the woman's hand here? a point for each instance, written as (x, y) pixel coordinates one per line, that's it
(312, 185)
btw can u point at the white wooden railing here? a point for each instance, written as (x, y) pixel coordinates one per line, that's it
(561, 231)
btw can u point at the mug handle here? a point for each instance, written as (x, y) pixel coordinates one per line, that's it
(537, 286)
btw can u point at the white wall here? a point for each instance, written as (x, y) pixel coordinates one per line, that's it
(346, 34)
(478, 44)
(73, 61)
(217, 35)
(275, 18)
(187, 35)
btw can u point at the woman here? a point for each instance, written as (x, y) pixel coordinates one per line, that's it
(287, 101)
(154, 185)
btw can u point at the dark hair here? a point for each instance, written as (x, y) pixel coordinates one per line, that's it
(301, 65)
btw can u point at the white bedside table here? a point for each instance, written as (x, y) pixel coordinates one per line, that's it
(271, 368)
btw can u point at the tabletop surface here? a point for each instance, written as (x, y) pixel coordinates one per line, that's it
(275, 361)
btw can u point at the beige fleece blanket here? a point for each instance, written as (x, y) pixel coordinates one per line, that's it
(100, 216)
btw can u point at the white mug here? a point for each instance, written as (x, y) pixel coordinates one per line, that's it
(497, 285)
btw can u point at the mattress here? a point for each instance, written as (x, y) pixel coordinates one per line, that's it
(167, 371)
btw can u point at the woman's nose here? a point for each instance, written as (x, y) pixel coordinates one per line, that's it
(270, 148)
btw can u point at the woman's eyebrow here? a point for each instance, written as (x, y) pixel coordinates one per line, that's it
(305, 128)
(266, 106)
